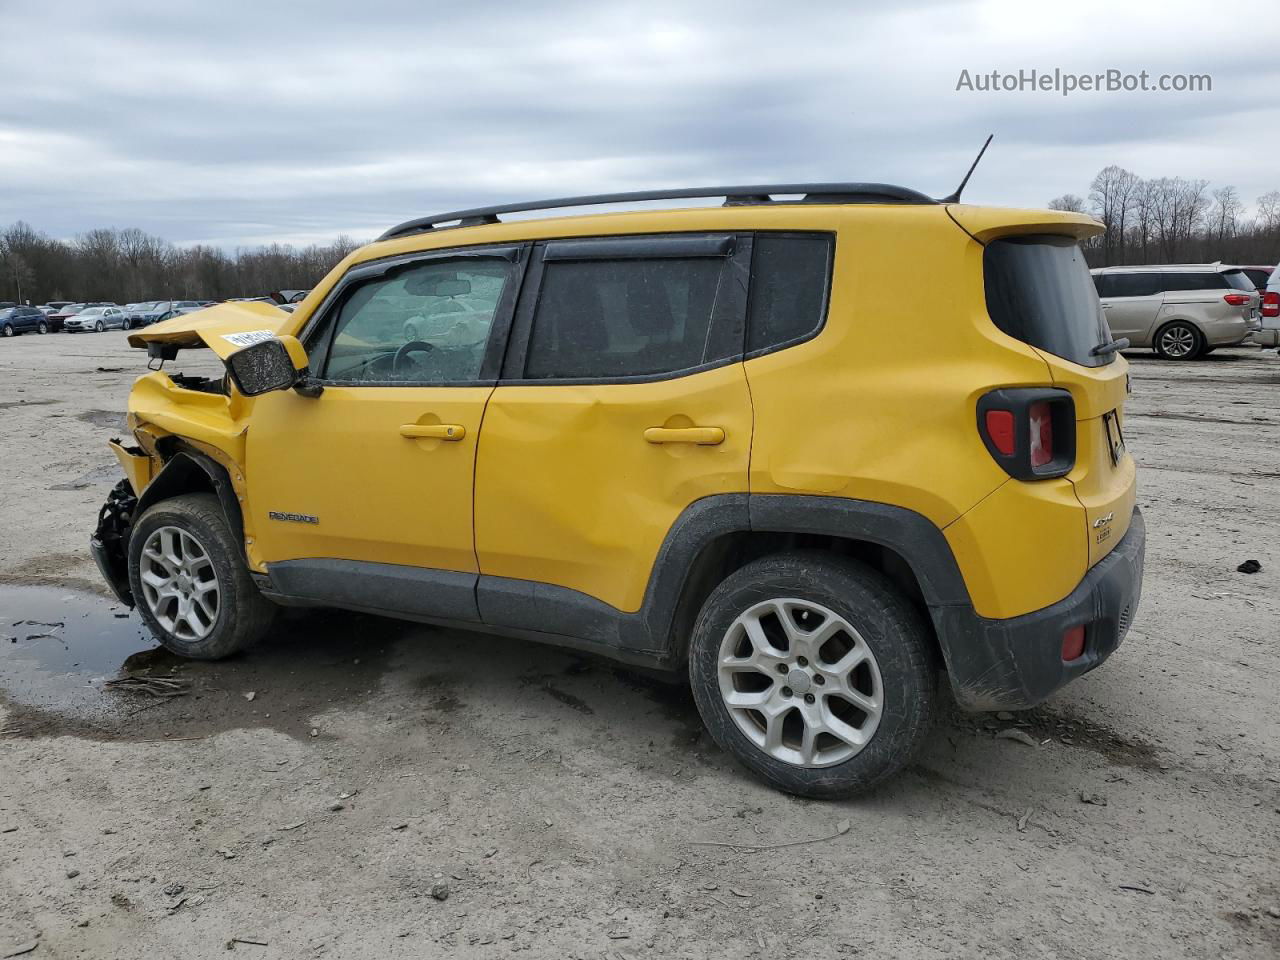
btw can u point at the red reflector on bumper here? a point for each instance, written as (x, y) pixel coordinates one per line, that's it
(1073, 643)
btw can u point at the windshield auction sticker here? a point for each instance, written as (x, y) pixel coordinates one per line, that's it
(249, 338)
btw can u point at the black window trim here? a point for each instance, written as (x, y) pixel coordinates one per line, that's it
(322, 322)
(513, 368)
(830, 236)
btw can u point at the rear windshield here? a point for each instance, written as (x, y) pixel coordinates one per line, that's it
(1239, 279)
(1039, 291)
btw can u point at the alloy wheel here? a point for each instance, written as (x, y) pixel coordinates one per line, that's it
(99, 327)
(179, 583)
(800, 682)
(1178, 341)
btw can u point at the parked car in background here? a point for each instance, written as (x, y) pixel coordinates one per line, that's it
(175, 311)
(65, 312)
(54, 307)
(143, 313)
(1182, 311)
(1269, 334)
(1258, 275)
(96, 319)
(16, 320)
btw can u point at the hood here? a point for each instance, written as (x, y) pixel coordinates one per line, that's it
(223, 328)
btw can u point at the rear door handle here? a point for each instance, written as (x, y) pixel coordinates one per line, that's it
(433, 431)
(708, 436)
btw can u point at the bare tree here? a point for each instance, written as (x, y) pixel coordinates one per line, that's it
(1111, 198)
(1068, 202)
(1225, 215)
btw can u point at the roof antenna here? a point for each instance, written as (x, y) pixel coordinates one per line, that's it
(955, 197)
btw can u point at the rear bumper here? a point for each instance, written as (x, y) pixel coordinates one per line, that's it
(1016, 663)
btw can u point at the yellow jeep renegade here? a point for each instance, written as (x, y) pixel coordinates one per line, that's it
(816, 446)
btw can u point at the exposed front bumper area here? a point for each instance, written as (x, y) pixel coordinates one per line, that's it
(1016, 663)
(110, 541)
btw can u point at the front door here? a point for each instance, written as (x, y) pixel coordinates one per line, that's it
(623, 401)
(379, 467)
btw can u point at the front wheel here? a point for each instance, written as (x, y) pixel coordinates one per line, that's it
(126, 325)
(1179, 340)
(99, 327)
(190, 582)
(814, 672)
(9, 331)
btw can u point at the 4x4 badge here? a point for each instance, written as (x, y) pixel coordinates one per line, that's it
(1103, 521)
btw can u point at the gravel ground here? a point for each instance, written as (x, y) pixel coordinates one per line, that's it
(396, 791)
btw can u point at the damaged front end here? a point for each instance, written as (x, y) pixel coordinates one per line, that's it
(110, 541)
(185, 426)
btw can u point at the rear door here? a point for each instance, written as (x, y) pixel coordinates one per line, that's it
(623, 400)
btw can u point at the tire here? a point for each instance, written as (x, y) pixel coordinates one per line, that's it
(1179, 340)
(191, 529)
(9, 331)
(125, 325)
(99, 327)
(42, 328)
(897, 678)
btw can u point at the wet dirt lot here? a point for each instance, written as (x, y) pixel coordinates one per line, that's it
(565, 804)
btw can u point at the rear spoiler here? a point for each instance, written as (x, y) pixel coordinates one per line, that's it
(985, 224)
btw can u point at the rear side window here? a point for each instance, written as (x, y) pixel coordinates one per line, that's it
(1039, 291)
(1127, 284)
(790, 279)
(617, 318)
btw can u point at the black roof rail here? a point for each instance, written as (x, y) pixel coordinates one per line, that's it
(733, 196)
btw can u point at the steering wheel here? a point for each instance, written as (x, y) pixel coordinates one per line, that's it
(413, 346)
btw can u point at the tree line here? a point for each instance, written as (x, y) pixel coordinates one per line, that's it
(130, 265)
(1175, 220)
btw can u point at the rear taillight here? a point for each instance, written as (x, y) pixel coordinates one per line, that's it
(1271, 304)
(1029, 431)
(1237, 299)
(1041, 434)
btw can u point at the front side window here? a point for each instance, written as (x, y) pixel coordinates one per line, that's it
(606, 319)
(428, 322)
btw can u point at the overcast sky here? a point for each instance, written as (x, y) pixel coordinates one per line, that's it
(237, 123)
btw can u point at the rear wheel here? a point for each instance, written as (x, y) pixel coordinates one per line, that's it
(1179, 340)
(814, 672)
(42, 327)
(190, 583)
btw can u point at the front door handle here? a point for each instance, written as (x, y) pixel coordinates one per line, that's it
(707, 436)
(433, 431)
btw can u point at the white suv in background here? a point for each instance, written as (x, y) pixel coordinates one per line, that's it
(1182, 311)
(1269, 335)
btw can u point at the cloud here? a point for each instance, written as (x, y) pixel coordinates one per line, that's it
(240, 122)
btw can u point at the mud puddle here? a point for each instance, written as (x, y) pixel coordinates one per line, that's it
(59, 647)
